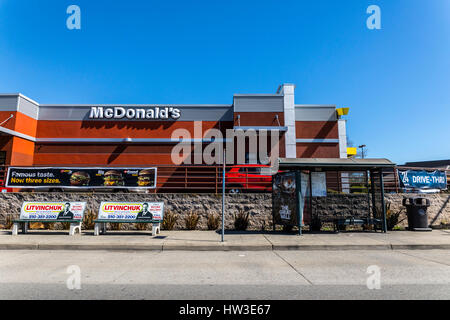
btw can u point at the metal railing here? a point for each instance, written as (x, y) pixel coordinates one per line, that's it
(208, 178)
(197, 178)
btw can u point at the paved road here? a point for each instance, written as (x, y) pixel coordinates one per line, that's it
(414, 274)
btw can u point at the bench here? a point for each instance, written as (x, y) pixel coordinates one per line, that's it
(351, 221)
(23, 224)
(100, 225)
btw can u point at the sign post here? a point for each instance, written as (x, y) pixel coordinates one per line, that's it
(223, 197)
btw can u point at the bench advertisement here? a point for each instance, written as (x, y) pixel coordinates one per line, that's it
(131, 211)
(81, 178)
(58, 211)
(421, 179)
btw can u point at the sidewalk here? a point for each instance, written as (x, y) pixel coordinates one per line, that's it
(238, 241)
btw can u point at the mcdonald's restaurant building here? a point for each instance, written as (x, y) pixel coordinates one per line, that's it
(34, 134)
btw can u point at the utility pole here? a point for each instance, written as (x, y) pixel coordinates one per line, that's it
(362, 150)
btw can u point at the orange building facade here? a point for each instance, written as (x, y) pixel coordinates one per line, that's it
(33, 134)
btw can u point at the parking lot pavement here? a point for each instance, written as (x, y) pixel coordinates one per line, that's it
(403, 274)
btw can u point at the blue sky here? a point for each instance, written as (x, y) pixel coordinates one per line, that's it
(395, 80)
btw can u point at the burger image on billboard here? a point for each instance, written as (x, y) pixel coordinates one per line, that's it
(146, 177)
(113, 178)
(79, 178)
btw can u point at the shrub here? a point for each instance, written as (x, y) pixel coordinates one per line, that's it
(241, 220)
(392, 217)
(65, 225)
(316, 224)
(8, 222)
(115, 226)
(88, 220)
(49, 225)
(213, 222)
(263, 226)
(191, 221)
(141, 226)
(170, 218)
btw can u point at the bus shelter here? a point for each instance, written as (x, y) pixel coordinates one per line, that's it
(311, 191)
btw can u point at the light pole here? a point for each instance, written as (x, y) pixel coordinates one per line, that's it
(362, 150)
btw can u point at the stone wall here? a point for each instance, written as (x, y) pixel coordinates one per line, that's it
(259, 206)
(355, 205)
(438, 212)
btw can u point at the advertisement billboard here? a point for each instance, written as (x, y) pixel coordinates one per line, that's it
(58, 211)
(87, 178)
(284, 199)
(290, 198)
(131, 211)
(421, 179)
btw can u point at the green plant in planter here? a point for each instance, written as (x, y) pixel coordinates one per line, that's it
(241, 220)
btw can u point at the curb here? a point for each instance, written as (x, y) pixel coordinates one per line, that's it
(420, 246)
(223, 248)
(332, 247)
(99, 247)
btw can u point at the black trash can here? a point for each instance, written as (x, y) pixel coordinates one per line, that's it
(416, 210)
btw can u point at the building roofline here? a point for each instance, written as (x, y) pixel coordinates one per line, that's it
(257, 95)
(316, 105)
(138, 105)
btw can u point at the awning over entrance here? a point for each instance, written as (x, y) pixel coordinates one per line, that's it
(335, 164)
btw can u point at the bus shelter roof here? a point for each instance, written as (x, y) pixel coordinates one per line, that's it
(335, 164)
